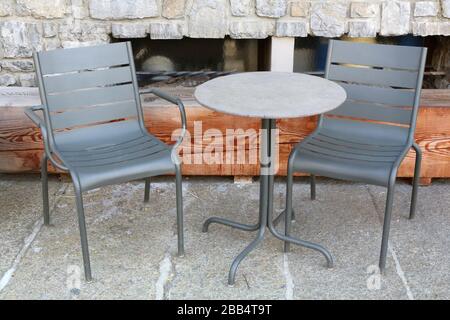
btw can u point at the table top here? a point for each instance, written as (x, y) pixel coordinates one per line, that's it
(270, 95)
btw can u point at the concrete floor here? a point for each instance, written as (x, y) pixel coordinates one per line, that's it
(133, 245)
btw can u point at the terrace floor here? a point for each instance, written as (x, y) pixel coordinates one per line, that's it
(133, 244)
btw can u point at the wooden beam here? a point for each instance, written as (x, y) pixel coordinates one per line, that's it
(21, 145)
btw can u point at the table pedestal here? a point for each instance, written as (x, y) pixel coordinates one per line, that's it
(265, 206)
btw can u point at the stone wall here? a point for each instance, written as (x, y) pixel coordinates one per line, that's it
(27, 25)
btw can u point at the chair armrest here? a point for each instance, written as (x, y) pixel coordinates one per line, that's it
(31, 113)
(176, 101)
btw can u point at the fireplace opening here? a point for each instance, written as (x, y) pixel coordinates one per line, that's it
(311, 52)
(189, 62)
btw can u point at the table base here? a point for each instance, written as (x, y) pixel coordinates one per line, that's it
(265, 209)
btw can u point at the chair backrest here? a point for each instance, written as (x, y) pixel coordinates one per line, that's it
(88, 86)
(383, 85)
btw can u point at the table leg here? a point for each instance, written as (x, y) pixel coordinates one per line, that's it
(265, 207)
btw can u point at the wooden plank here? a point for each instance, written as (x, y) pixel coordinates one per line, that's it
(21, 146)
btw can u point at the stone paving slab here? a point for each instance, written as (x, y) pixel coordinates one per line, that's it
(133, 245)
(421, 245)
(20, 213)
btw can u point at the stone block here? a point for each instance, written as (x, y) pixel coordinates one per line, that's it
(251, 29)
(328, 19)
(294, 28)
(129, 30)
(271, 8)
(166, 30)
(173, 9)
(120, 9)
(19, 39)
(395, 18)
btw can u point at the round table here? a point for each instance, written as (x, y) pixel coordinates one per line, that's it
(270, 96)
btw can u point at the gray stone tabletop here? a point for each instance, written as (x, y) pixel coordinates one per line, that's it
(270, 95)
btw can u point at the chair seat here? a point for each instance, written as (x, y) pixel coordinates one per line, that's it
(139, 156)
(337, 156)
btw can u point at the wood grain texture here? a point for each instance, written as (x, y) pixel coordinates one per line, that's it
(21, 145)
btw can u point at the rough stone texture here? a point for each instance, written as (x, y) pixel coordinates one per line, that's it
(295, 28)
(426, 9)
(363, 28)
(328, 19)
(17, 65)
(241, 8)
(41, 8)
(364, 9)
(27, 79)
(92, 31)
(129, 30)
(422, 28)
(79, 9)
(165, 30)
(19, 39)
(50, 29)
(271, 8)
(120, 9)
(445, 8)
(173, 9)
(6, 7)
(208, 19)
(251, 29)
(7, 80)
(300, 8)
(52, 43)
(77, 44)
(395, 18)
(444, 28)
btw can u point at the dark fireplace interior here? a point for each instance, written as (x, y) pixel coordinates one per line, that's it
(310, 55)
(189, 62)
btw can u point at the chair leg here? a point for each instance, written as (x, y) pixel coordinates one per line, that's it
(44, 184)
(147, 190)
(416, 178)
(83, 234)
(289, 213)
(179, 195)
(313, 186)
(386, 226)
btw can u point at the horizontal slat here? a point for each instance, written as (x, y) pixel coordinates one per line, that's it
(386, 78)
(364, 132)
(93, 115)
(87, 79)
(75, 59)
(354, 149)
(346, 155)
(393, 97)
(377, 55)
(90, 97)
(373, 112)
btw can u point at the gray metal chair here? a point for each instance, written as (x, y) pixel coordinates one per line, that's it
(383, 84)
(93, 126)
